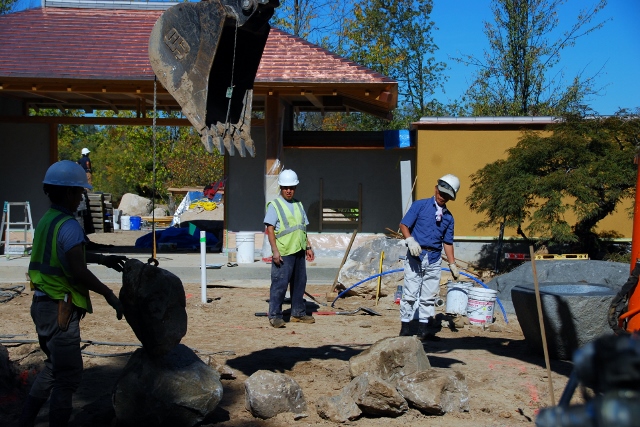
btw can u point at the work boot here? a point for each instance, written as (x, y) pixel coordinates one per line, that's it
(303, 319)
(30, 411)
(277, 322)
(405, 329)
(424, 334)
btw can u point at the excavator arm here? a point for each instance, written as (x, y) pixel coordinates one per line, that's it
(207, 55)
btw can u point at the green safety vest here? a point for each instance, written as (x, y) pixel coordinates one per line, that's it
(46, 272)
(292, 235)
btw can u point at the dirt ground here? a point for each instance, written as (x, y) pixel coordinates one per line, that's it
(507, 382)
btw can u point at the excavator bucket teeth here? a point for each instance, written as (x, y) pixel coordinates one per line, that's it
(207, 55)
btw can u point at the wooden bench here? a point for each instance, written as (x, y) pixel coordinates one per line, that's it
(340, 214)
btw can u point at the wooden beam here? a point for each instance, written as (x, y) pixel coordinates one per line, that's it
(105, 121)
(273, 130)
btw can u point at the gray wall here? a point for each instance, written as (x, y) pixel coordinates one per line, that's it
(341, 170)
(24, 161)
(244, 189)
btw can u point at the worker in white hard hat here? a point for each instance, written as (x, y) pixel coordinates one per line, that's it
(286, 224)
(61, 282)
(85, 162)
(427, 228)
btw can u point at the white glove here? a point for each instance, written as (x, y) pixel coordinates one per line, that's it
(454, 270)
(414, 247)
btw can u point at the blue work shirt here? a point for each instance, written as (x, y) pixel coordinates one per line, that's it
(429, 233)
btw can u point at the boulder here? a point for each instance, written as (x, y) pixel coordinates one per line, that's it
(574, 314)
(268, 394)
(159, 212)
(154, 305)
(364, 262)
(339, 409)
(177, 389)
(435, 391)
(134, 205)
(374, 396)
(610, 274)
(391, 359)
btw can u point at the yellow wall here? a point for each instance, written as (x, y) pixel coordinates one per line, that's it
(462, 152)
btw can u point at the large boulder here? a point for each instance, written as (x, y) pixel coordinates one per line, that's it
(154, 305)
(268, 394)
(364, 262)
(574, 314)
(134, 205)
(177, 389)
(610, 274)
(436, 391)
(391, 359)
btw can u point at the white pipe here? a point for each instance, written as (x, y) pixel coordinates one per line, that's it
(203, 266)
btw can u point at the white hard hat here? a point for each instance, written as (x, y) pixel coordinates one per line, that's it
(288, 178)
(449, 184)
(85, 150)
(66, 174)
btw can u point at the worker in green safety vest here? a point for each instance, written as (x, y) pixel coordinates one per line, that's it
(61, 282)
(286, 224)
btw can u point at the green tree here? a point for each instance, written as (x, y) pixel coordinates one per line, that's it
(517, 74)
(395, 39)
(585, 166)
(6, 6)
(123, 159)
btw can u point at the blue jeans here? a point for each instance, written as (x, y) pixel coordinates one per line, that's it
(293, 270)
(62, 371)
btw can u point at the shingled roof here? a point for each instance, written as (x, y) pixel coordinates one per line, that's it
(97, 58)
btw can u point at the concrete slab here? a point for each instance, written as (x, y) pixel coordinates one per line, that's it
(187, 267)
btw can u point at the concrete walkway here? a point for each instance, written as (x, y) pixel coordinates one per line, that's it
(187, 267)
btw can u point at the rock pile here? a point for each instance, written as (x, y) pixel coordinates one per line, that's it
(389, 377)
(164, 383)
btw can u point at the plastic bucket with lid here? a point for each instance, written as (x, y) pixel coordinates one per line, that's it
(125, 222)
(246, 245)
(481, 305)
(136, 221)
(457, 297)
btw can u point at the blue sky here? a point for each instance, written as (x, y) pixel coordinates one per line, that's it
(615, 48)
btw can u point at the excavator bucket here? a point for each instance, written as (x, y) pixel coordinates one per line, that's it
(207, 55)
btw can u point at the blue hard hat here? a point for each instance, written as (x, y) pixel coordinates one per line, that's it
(67, 174)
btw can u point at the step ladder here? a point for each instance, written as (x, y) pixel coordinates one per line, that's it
(21, 246)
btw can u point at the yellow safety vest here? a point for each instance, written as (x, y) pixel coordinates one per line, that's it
(292, 235)
(46, 272)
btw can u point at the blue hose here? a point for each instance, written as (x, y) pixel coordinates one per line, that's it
(504, 313)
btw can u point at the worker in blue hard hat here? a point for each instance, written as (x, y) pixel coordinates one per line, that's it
(428, 228)
(61, 282)
(286, 224)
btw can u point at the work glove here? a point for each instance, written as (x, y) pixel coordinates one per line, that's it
(115, 262)
(114, 302)
(414, 247)
(454, 271)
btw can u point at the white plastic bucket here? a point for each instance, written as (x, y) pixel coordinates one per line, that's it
(457, 297)
(246, 244)
(481, 305)
(125, 222)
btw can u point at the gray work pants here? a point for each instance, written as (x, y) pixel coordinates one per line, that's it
(62, 373)
(293, 270)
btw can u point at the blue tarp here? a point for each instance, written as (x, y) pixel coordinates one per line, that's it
(184, 238)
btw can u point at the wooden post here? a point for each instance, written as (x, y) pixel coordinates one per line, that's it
(540, 319)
